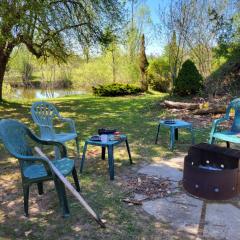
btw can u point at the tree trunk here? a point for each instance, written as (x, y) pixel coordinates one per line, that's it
(181, 105)
(144, 82)
(113, 66)
(3, 64)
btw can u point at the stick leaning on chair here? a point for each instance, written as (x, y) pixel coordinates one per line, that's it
(72, 189)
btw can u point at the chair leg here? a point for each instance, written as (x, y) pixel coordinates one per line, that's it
(78, 148)
(211, 140)
(40, 188)
(75, 178)
(83, 157)
(192, 135)
(176, 134)
(62, 197)
(103, 153)
(172, 138)
(111, 162)
(129, 153)
(25, 199)
(158, 130)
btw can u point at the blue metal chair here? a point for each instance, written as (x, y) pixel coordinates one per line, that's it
(232, 135)
(19, 141)
(43, 114)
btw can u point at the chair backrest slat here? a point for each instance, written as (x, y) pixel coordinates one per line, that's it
(43, 114)
(16, 137)
(235, 105)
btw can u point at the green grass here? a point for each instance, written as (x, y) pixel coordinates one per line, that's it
(137, 117)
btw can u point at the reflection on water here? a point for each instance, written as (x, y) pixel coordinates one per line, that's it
(43, 94)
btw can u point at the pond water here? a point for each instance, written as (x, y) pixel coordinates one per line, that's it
(43, 93)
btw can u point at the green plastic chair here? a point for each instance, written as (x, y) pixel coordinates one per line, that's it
(43, 114)
(19, 141)
(231, 135)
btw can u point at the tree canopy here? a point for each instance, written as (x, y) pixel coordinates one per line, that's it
(49, 27)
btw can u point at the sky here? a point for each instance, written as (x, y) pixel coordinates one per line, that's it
(156, 45)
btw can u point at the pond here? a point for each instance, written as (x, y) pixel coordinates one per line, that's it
(21, 93)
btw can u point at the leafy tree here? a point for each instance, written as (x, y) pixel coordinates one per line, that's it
(110, 43)
(158, 74)
(143, 65)
(189, 80)
(47, 27)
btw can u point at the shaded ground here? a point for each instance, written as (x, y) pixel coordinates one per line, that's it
(136, 116)
(198, 218)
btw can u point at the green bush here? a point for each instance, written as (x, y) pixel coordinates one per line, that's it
(116, 89)
(189, 80)
(158, 75)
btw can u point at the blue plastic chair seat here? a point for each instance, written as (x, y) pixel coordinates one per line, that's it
(62, 137)
(228, 136)
(65, 166)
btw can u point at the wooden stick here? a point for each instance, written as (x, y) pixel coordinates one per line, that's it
(71, 189)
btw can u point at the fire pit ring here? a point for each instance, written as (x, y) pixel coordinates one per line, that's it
(212, 172)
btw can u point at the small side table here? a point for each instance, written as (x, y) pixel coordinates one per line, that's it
(110, 146)
(174, 130)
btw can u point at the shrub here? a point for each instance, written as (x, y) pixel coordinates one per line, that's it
(116, 89)
(158, 75)
(189, 80)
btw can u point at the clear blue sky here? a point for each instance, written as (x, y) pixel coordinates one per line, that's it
(156, 45)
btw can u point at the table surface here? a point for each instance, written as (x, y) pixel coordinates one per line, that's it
(109, 142)
(178, 123)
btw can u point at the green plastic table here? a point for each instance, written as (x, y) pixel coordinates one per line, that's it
(174, 130)
(110, 147)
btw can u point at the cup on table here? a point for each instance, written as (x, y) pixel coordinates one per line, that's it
(104, 138)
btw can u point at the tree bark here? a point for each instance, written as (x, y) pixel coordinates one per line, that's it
(181, 105)
(3, 65)
(113, 66)
(211, 110)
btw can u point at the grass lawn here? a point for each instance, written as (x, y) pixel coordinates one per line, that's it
(137, 117)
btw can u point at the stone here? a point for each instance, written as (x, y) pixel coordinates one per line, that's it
(222, 221)
(176, 162)
(162, 171)
(140, 197)
(181, 211)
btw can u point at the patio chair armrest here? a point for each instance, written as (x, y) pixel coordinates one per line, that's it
(61, 146)
(220, 120)
(70, 122)
(216, 122)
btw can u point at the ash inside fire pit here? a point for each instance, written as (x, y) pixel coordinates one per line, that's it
(151, 187)
(212, 172)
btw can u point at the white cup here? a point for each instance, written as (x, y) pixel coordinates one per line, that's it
(104, 138)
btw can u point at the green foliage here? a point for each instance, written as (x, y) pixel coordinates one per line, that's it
(158, 74)
(143, 64)
(116, 89)
(189, 80)
(27, 71)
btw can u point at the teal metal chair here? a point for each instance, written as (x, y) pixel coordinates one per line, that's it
(233, 134)
(43, 114)
(19, 141)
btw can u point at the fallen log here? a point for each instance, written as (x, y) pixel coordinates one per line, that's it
(181, 105)
(210, 110)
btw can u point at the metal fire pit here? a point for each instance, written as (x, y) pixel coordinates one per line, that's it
(212, 172)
